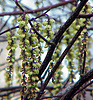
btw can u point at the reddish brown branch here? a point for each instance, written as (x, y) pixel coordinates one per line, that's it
(37, 10)
(85, 16)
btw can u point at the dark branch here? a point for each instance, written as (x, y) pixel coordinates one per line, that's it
(36, 10)
(9, 29)
(83, 88)
(9, 90)
(63, 91)
(8, 93)
(85, 16)
(19, 5)
(85, 78)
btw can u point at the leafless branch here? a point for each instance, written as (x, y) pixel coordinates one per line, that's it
(37, 10)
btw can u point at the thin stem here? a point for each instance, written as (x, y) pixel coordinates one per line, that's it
(9, 30)
(5, 23)
(49, 43)
(83, 69)
(40, 15)
(19, 5)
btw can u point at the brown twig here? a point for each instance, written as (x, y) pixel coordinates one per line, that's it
(9, 29)
(49, 43)
(8, 93)
(19, 5)
(5, 23)
(85, 16)
(9, 88)
(40, 15)
(36, 10)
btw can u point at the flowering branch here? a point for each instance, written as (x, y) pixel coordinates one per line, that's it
(59, 61)
(59, 36)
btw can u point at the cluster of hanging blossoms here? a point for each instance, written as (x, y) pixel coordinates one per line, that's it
(31, 51)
